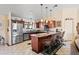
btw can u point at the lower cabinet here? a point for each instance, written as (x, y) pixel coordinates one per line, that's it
(25, 36)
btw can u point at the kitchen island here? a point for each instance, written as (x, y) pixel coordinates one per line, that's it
(37, 40)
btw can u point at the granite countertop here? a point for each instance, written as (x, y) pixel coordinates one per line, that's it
(43, 34)
(34, 31)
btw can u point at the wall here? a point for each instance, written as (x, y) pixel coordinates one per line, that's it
(3, 27)
(57, 13)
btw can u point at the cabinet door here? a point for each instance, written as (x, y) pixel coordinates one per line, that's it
(26, 36)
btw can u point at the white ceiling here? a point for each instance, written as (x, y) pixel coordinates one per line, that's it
(32, 10)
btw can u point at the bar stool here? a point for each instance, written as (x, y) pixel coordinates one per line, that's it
(49, 44)
(61, 37)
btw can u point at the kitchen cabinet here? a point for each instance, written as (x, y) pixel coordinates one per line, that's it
(38, 40)
(58, 23)
(51, 23)
(25, 36)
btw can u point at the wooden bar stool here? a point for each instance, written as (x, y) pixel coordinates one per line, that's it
(49, 44)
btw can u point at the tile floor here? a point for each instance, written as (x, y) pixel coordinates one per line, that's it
(18, 49)
(25, 49)
(65, 49)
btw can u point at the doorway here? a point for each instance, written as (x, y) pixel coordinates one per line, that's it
(68, 27)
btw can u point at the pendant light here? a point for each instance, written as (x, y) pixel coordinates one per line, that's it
(41, 10)
(55, 6)
(46, 20)
(46, 11)
(50, 12)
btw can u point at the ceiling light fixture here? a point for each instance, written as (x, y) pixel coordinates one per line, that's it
(46, 11)
(41, 10)
(50, 12)
(55, 6)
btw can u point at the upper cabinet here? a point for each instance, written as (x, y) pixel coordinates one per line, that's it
(29, 25)
(50, 23)
(58, 23)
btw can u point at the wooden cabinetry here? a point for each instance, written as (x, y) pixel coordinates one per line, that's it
(58, 23)
(38, 40)
(37, 24)
(51, 24)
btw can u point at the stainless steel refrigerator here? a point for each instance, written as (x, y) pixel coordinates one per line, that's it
(17, 32)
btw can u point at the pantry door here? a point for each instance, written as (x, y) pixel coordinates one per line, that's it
(69, 17)
(68, 29)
